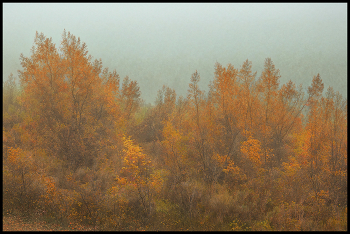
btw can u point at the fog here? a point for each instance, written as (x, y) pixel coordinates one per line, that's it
(158, 44)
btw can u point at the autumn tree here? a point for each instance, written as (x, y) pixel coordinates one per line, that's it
(227, 111)
(165, 101)
(315, 133)
(268, 84)
(138, 178)
(248, 94)
(200, 139)
(333, 138)
(70, 108)
(287, 119)
(175, 155)
(130, 95)
(338, 147)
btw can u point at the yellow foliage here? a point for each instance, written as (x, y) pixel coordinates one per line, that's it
(292, 167)
(252, 149)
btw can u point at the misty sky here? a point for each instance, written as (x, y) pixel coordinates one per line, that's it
(158, 44)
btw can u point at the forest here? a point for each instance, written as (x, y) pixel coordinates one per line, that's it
(80, 146)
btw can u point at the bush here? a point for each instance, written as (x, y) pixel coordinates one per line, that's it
(21, 182)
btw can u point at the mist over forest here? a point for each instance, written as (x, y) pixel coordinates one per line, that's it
(198, 117)
(158, 44)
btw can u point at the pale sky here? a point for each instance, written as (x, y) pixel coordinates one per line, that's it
(164, 43)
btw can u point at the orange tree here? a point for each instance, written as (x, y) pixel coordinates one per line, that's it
(71, 104)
